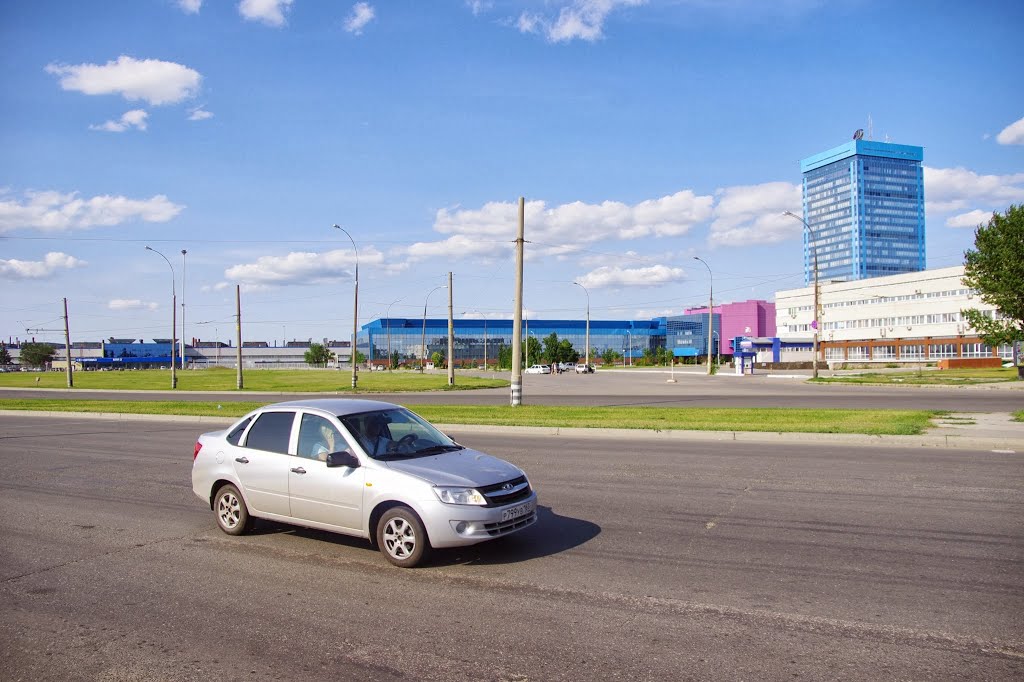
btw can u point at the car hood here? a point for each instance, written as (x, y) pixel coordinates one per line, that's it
(461, 468)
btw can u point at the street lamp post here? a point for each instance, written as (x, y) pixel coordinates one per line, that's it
(423, 337)
(711, 305)
(587, 356)
(355, 308)
(183, 252)
(174, 316)
(814, 322)
(629, 337)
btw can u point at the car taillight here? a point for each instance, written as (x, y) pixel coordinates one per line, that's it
(195, 452)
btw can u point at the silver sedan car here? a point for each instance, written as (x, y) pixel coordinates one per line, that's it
(363, 468)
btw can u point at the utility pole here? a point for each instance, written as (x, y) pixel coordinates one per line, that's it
(517, 313)
(183, 252)
(451, 335)
(238, 331)
(67, 344)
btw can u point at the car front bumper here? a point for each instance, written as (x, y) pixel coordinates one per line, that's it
(451, 525)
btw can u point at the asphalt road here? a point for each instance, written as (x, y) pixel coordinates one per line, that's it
(691, 389)
(652, 561)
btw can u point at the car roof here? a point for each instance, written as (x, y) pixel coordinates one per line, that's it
(336, 406)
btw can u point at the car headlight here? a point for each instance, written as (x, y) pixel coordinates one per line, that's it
(460, 495)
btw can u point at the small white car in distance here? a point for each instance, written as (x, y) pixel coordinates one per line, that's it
(363, 468)
(538, 369)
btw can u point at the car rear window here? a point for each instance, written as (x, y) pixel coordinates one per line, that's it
(271, 432)
(236, 433)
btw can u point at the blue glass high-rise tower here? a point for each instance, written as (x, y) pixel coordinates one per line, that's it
(864, 203)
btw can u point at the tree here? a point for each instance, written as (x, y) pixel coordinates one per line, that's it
(504, 356)
(36, 354)
(995, 269)
(5, 356)
(610, 356)
(437, 357)
(532, 351)
(318, 355)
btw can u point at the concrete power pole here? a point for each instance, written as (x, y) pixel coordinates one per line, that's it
(238, 331)
(451, 336)
(517, 313)
(67, 344)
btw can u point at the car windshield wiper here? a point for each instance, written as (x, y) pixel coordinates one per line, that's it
(437, 449)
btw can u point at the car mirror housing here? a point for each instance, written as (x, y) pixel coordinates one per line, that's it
(342, 459)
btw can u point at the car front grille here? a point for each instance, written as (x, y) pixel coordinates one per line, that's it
(506, 492)
(496, 529)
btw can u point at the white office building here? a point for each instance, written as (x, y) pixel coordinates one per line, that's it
(908, 318)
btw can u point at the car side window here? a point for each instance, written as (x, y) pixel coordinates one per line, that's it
(271, 432)
(318, 437)
(236, 434)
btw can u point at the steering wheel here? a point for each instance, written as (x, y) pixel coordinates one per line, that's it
(405, 442)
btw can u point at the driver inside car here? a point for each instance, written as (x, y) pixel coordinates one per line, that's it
(376, 438)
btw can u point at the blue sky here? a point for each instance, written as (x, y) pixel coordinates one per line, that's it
(640, 133)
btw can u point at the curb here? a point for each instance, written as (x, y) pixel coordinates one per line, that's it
(1013, 445)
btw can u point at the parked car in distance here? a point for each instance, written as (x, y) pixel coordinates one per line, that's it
(359, 467)
(567, 366)
(538, 369)
(582, 368)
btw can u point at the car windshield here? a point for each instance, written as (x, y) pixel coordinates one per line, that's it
(396, 433)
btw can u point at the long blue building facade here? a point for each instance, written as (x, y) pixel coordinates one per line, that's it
(864, 204)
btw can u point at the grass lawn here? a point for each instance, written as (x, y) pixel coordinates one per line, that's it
(273, 380)
(778, 420)
(932, 377)
(1018, 416)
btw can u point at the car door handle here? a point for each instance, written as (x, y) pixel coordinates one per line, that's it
(242, 460)
(298, 470)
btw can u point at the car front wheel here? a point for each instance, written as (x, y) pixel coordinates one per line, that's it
(232, 514)
(402, 538)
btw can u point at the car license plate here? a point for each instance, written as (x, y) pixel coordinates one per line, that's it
(515, 512)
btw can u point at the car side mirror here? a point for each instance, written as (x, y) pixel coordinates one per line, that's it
(342, 459)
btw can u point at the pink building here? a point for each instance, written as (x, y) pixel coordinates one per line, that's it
(746, 318)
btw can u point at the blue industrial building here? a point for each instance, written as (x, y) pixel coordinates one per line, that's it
(864, 203)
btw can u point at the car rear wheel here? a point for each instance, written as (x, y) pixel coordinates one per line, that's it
(402, 538)
(232, 514)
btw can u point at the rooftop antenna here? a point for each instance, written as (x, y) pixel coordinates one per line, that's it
(871, 128)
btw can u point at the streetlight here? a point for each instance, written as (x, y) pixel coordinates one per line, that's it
(587, 360)
(388, 316)
(355, 307)
(711, 304)
(183, 252)
(423, 337)
(814, 322)
(629, 337)
(174, 315)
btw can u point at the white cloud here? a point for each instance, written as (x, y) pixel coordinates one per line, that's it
(562, 229)
(151, 80)
(199, 114)
(51, 263)
(269, 12)
(478, 7)
(582, 19)
(190, 6)
(616, 277)
(970, 220)
(1012, 134)
(362, 14)
(752, 214)
(53, 211)
(136, 118)
(131, 304)
(301, 268)
(948, 190)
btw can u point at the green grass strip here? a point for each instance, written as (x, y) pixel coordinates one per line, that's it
(268, 380)
(929, 377)
(779, 420)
